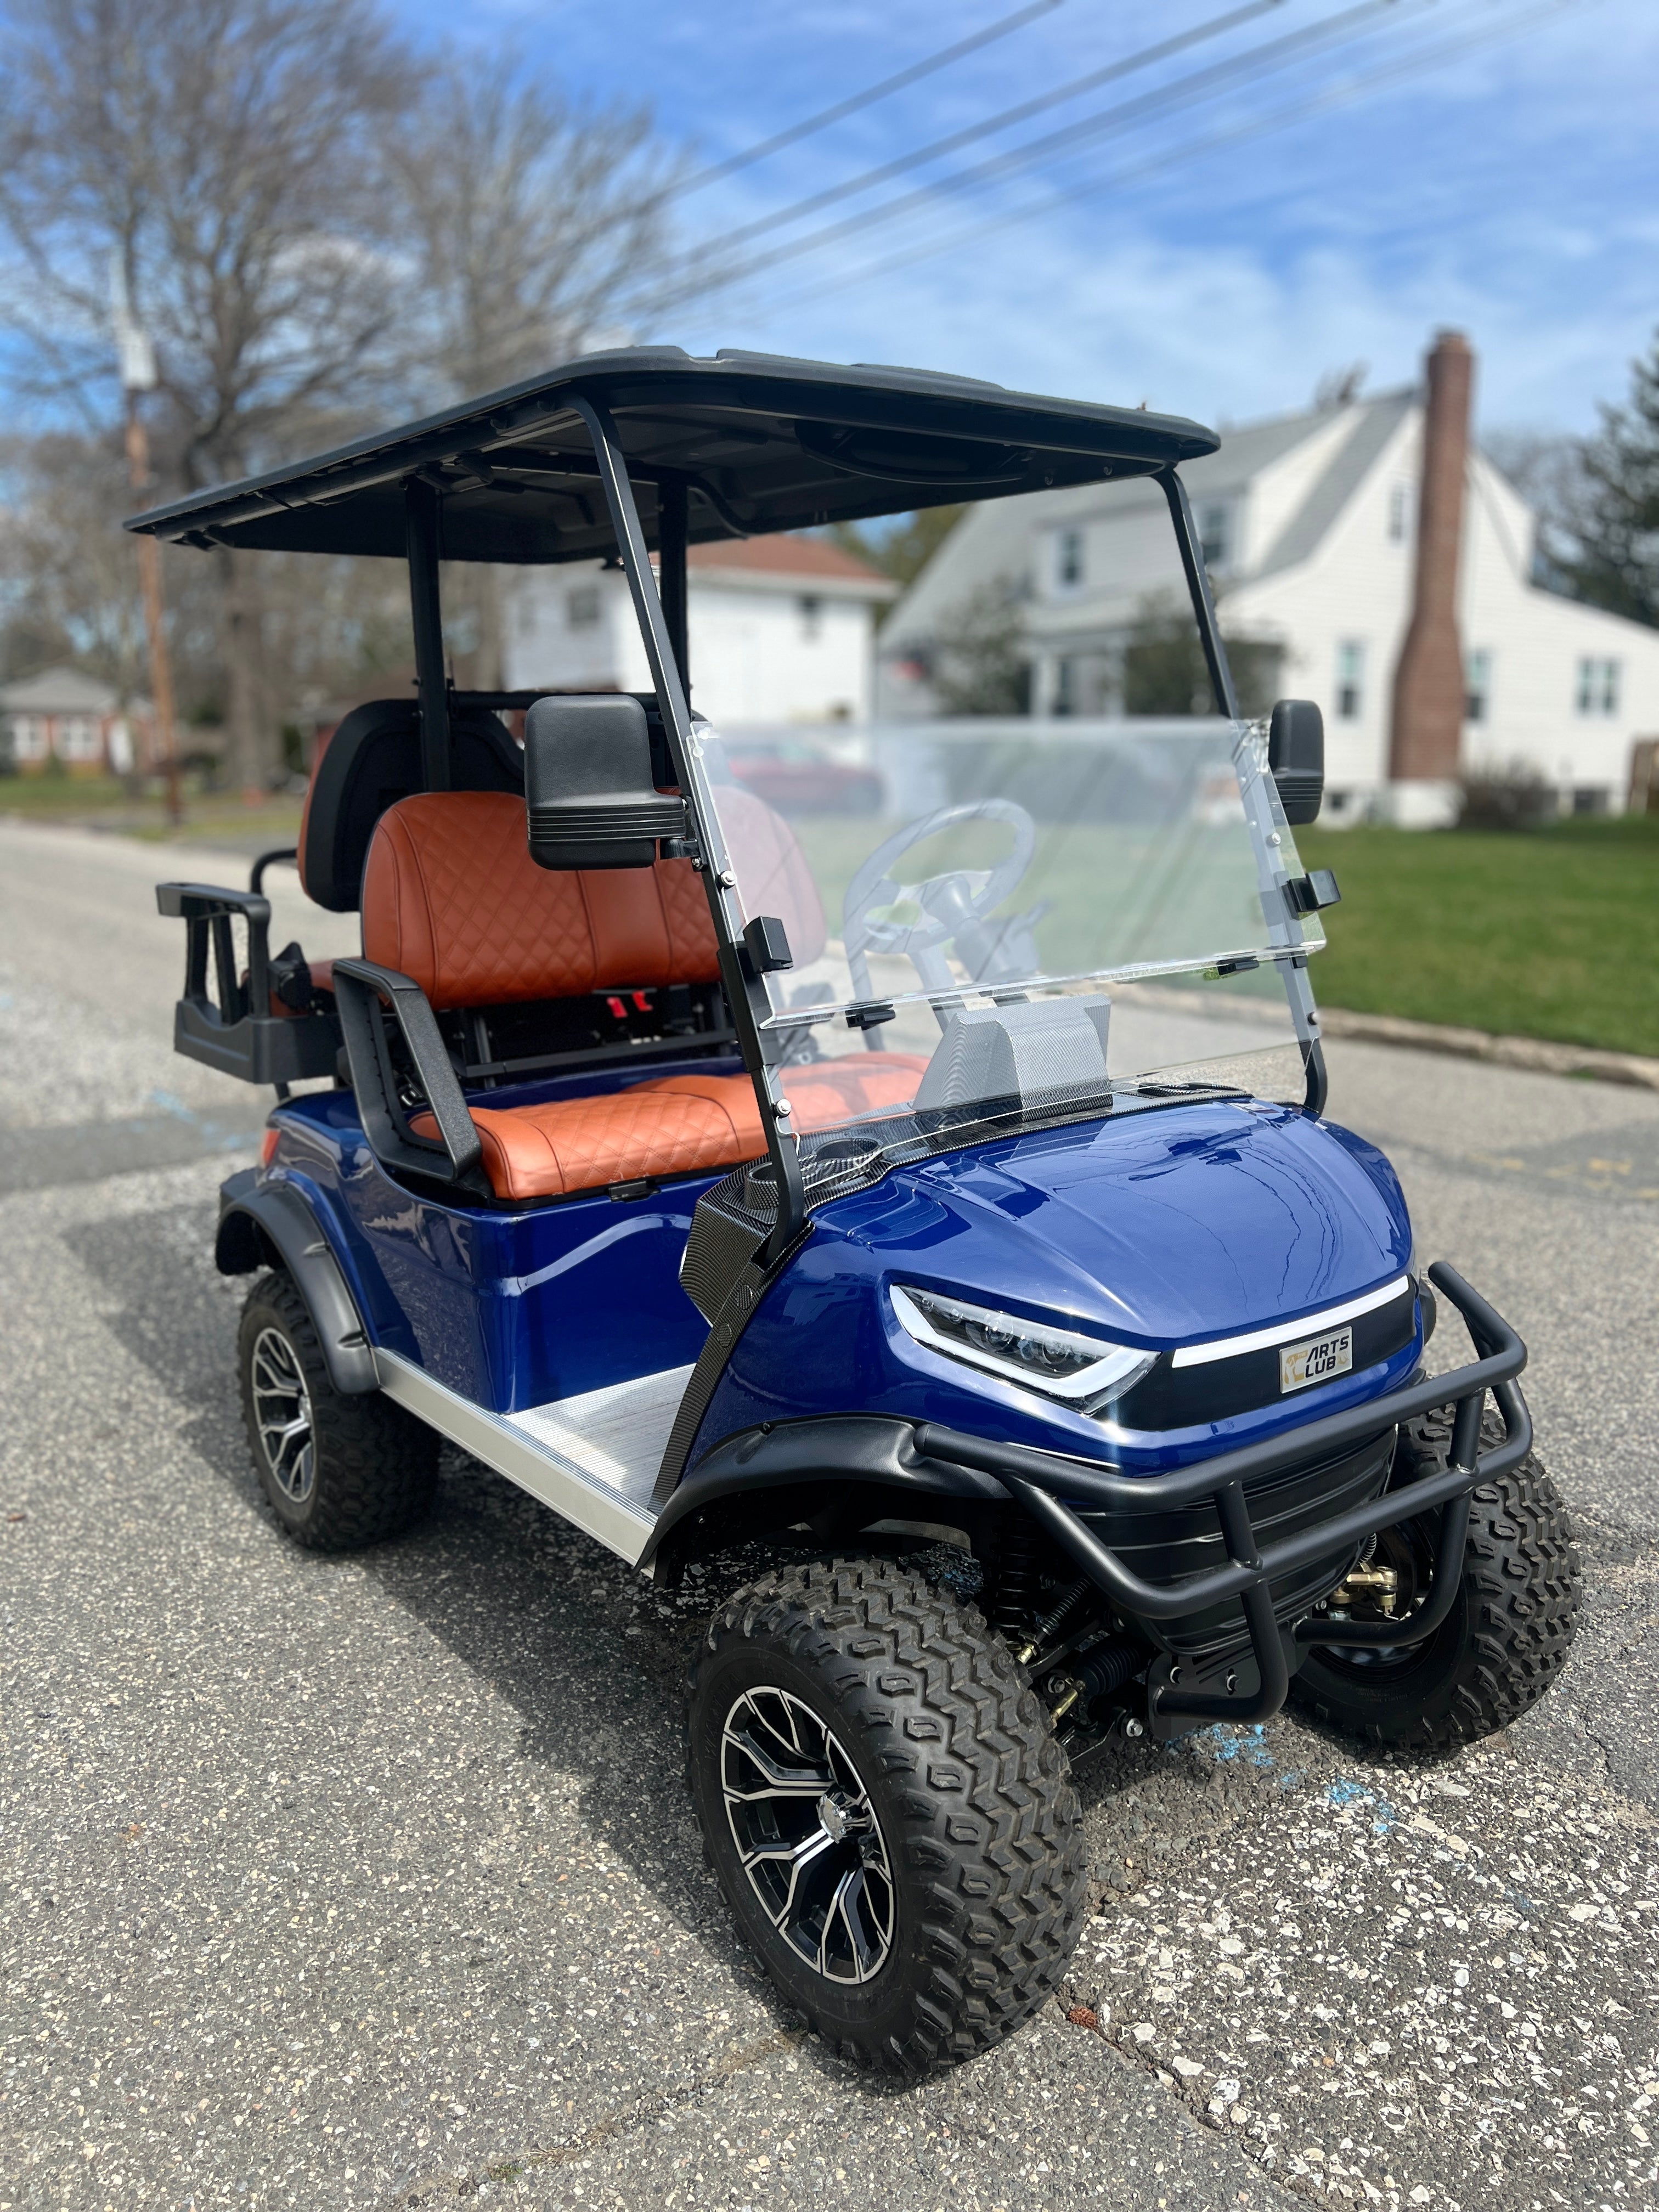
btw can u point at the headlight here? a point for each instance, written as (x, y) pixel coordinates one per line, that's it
(1081, 1370)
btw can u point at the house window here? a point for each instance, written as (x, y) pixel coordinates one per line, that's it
(1215, 535)
(28, 737)
(1069, 563)
(581, 606)
(77, 738)
(1400, 507)
(811, 616)
(1598, 687)
(1477, 687)
(1350, 680)
(1065, 687)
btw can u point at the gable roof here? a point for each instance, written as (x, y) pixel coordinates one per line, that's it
(788, 554)
(999, 541)
(1337, 483)
(58, 692)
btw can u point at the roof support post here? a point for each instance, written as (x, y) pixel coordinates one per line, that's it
(745, 991)
(1198, 583)
(421, 519)
(673, 531)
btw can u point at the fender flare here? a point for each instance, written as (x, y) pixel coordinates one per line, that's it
(272, 1224)
(870, 1457)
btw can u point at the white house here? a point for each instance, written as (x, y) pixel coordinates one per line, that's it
(1308, 525)
(781, 629)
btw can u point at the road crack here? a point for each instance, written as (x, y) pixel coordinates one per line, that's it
(625, 2120)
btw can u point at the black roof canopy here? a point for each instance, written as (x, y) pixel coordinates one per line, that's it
(761, 442)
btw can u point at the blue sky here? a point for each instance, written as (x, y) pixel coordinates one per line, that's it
(1417, 170)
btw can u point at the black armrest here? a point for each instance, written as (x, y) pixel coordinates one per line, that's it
(256, 881)
(206, 910)
(365, 992)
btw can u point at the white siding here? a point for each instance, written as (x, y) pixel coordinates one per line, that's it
(1352, 587)
(758, 654)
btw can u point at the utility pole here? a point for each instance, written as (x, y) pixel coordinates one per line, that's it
(138, 359)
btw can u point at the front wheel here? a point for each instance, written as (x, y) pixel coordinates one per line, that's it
(1506, 1637)
(887, 1810)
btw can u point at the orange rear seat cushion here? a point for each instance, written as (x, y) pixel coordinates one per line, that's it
(452, 898)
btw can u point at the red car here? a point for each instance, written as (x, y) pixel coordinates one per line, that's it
(798, 779)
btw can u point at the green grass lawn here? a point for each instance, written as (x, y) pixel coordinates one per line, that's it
(106, 803)
(1547, 933)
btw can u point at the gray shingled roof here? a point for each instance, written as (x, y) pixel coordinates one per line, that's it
(58, 692)
(1341, 477)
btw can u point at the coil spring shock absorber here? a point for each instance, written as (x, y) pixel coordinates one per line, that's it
(1017, 1580)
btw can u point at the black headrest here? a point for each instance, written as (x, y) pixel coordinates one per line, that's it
(372, 760)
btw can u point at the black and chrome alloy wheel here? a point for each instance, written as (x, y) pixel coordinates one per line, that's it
(281, 1415)
(885, 1805)
(806, 1834)
(337, 1470)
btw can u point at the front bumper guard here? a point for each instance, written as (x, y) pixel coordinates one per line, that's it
(1043, 1481)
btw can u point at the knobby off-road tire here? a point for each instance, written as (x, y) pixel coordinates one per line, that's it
(1507, 1635)
(371, 1469)
(947, 1775)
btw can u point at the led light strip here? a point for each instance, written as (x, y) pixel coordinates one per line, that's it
(1289, 1332)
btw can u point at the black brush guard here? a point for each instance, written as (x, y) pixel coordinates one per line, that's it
(1043, 1481)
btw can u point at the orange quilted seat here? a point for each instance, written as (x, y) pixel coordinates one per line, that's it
(452, 898)
(583, 1144)
(674, 1125)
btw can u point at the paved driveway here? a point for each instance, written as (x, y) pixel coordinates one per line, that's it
(350, 1883)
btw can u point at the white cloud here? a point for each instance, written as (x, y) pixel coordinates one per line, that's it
(1509, 192)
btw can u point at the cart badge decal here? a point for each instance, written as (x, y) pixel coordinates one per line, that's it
(1299, 1364)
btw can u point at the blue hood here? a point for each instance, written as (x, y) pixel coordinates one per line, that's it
(1157, 1229)
(1163, 1227)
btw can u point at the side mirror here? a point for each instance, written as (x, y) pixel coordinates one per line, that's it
(1296, 755)
(589, 796)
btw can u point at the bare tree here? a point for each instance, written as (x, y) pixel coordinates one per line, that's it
(225, 150)
(539, 227)
(70, 586)
(1546, 467)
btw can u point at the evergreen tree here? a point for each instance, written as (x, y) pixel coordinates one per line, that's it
(1615, 561)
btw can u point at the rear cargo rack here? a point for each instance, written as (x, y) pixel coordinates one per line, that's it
(235, 1029)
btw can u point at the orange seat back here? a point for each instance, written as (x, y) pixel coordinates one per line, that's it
(452, 898)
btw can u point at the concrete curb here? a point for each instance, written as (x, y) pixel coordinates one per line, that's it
(1543, 1057)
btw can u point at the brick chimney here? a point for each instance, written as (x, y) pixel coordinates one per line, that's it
(1428, 681)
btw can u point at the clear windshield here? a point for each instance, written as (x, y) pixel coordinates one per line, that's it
(987, 911)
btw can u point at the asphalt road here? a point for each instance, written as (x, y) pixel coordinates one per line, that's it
(371, 1883)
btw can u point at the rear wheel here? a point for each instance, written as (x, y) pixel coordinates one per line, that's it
(338, 1471)
(887, 1811)
(1506, 1637)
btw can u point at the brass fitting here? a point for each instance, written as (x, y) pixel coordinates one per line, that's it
(1380, 1583)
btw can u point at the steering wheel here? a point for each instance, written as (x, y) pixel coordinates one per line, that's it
(953, 905)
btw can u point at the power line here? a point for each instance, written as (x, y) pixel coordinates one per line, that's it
(1213, 141)
(796, 131)
(1008, 116)
(1256, 61)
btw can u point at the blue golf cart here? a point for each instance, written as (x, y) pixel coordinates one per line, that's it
(937, 1193)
